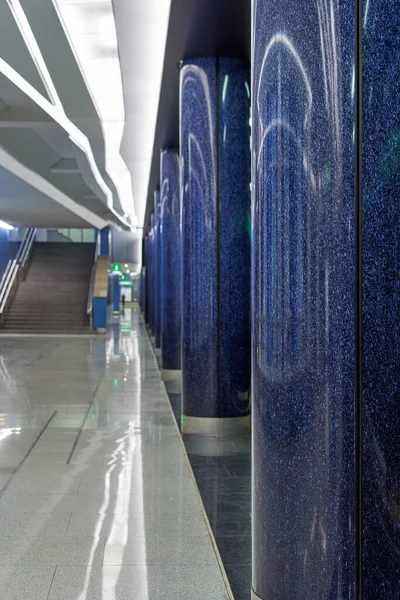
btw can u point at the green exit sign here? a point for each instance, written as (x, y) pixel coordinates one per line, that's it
(116, 267)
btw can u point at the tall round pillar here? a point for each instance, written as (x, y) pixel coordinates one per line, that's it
(146, 280)
(116, 293)
(303, 303)
(170, 295)
(151, 280)
(104, 241)
(215, 241)
(157, 272)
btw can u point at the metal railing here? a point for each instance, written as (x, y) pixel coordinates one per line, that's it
(15, 272)
(89, 306)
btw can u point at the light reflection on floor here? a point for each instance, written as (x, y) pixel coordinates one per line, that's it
(96, 498)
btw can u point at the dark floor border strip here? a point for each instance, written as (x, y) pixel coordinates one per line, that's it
(45, 426)
(78, 435)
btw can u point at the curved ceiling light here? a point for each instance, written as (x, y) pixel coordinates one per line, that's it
(90, 30)
(34, 50)
(7, 226)
(54, 108)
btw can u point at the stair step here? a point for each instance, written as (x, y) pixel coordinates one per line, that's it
(53, 296)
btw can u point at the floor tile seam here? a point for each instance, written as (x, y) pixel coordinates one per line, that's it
(197, 491)
(24, 459)
(51, 583)
(68, 524)
(84, 421)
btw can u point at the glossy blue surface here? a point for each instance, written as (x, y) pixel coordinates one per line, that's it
(198, 147)
(303, 301)
(105, 235)
(116, 294)
(380, 301)
(215, 166)
(99, 313)
(234, 236)
(146, 279)
(151, 276)
(142, 289)
(170, 262)
(157, 268)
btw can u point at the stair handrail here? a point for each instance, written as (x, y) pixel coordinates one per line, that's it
(5, 275)
(8, 284)
(10, 276)
(26, 246)
(89, 306)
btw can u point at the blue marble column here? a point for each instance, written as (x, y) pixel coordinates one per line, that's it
(303, 303)
(380, 210)
(151, 277)
(215, 239)
(146, 280)
(116, 294)
(170, 295)
(157, 272)
(105, 238)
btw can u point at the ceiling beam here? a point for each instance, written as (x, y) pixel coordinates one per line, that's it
(24, 117)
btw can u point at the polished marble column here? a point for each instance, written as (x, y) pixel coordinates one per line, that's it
(380, 210)
(303, 305)
(157, 271)
(215, 238)
(146, 280)
(170, 250)
(151, 280)
(105, 235)
(116, 294)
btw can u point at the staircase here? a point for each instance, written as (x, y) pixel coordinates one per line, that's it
(53, 298)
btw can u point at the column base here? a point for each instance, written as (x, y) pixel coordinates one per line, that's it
(215, 427)
(170, 374)
(254, 596)
(201, 445)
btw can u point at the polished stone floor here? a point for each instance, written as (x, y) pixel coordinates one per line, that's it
(97, 500)
(223, 473)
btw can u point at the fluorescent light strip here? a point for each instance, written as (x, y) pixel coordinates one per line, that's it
(4, 225)
(58, 115)
(75, 134)
(34, 50)
(98, 88)
(46, 188)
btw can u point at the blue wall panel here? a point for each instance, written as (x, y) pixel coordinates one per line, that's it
(170, 262)
(99, 313)
(380, 301)
(4, 250)
(304, 537)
